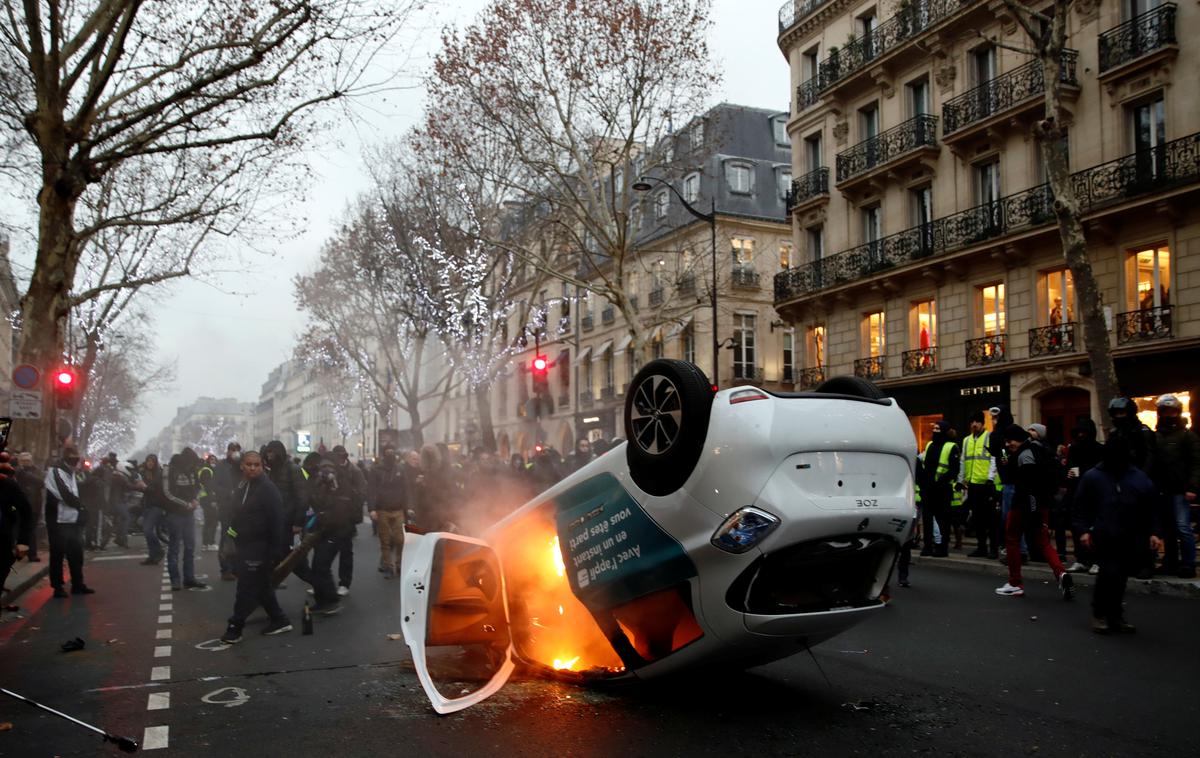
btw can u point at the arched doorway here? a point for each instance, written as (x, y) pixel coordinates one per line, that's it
(1061, 410)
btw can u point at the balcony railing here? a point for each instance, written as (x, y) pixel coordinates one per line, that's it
(1052, 340)
(920, 361)
(1144, 324)
(987, 350)
(813, 184)
(1138, 36)
(747, 373)
(919, 131)
(792, 11)
(869, 368)
(745, 277)
(1161, 168)
(587, 323)
(608, 315)
(656, 296)
(1002, 93)
(586, 399)
(808, 93)
(608, 393)
(686, 285)
(811, 377)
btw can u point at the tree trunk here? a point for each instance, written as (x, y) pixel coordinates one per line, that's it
(487, 431)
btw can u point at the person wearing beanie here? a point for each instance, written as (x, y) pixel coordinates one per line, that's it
(1030, 512)
(978, 474)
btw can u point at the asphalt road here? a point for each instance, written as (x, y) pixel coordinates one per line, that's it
(948, 669)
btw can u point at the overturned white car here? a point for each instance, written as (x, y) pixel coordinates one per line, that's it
(734, 527)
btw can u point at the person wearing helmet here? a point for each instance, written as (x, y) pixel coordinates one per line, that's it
(1177, 476)
(1140, 441)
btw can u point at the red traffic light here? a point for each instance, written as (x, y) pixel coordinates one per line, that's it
(64, 378)
(540, 363)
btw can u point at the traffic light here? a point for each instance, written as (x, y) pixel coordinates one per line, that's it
(65, 384)
(540, 369)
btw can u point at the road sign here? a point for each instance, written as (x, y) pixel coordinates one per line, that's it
(26, 404)
(26, 377)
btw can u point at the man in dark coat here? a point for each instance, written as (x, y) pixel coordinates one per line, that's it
(389, 501)
(289, 480)
(183, 500)
(154, 508)
(1083, 454)
(16, 520)
(66, 518)
(352, 495)
(227, 475)
(257, 529)
(1030, 512)
(33, 484)
(937, 475)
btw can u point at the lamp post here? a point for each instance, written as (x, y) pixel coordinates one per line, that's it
(643, 185)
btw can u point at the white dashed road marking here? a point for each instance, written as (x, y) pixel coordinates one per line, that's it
(160, 673)
(164, 606)
(164, 619)
(155, 737)
(162, 651)
(158, 701)
(162, 634)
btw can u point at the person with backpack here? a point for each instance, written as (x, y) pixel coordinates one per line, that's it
(1032, 468)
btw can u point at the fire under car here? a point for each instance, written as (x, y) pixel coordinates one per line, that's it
(732, 528)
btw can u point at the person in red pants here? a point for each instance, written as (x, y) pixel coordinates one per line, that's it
(1030, 512)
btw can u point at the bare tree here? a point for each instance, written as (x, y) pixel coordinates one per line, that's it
(207, 88)
(1046, 31)
(585, 95)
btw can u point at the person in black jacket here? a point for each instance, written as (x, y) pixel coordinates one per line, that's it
(1114, 519)
(227, 474)
(389, 501)
(182, 502)
(66, 519)
(154, 508)
(352, 494)
(1030, 512)
(334, 516)
(33, 484)
(1082, 456)
(16, 520)
(257, 529)
(289, 480)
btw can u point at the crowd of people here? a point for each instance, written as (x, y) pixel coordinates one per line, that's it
(1126, 506)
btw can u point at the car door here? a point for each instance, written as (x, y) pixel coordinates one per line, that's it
(455, 618)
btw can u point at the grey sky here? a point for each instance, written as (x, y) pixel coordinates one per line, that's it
(226, 344)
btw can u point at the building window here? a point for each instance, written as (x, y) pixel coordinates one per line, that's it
(867, 24)
(691, 187)
(565, 303)
(1056, 298)
(743, 251)
(921, 202)
(983, 68)
(635, 217)
(589, 378)
(779, 127)
(697, 135)
(811, 63)
(1148, 135)
(656, 348)
(738, 176)
(1148, 273)
(918, 97)
(668, 150)
(815, 236)
(991, 311)
(815, 346)
(812, 152)
(789, 356)
(924, 325)
(785, 256)
(868, 123)
(987, 181)
(743, 348)
(662, 203)
(609, 378)
(618, 181)
(785, 182)
(874, 345)
(872, 225)
(688, 339)
(631, 365)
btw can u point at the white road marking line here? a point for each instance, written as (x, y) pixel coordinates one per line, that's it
(162, 651)
(155, 737)
(164, 606)
(165, 596)
(239, 697)
(162, 634)
(164, 619)
(117, 558)
(158, 701)
(160, 673)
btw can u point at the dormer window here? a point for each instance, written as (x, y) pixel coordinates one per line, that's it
(740, 177)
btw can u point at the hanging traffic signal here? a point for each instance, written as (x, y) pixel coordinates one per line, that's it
(65, 383)
(540, 364)
(540, 368)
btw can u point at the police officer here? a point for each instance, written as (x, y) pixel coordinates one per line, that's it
(937, 475)
(978, 474)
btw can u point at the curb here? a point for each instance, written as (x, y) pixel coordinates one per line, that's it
(10, 598)
(1183, 588)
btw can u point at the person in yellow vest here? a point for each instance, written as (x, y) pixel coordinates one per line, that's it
(936, 477)
(208, 503)
(978, 475)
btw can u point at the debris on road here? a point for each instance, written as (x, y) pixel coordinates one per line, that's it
(71, 646)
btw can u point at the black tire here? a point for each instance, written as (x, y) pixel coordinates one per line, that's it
(667, 409)
(855, 386)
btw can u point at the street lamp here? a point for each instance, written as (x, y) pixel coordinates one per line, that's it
(643, 185)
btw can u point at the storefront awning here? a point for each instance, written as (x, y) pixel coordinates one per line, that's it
(679, 328)
(600, 351)
(623, 345)
(583, 355)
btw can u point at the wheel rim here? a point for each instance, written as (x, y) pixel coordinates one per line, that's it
(656, 414)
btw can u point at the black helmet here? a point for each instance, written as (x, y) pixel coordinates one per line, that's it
(1122, 405)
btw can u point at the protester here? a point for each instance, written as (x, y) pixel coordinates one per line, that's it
(227, 475)
(154, 508)
(33, 483)
(256, 529)
(16, 521)
(389, 501)
(1082, 455)
(1177, 476)
(1001, 420)
(1030, 512)
(206, 476)
(1114, 520)
(182, 501)
(937, 474)
(289, 480)
(352, 495)
(334, 516)
(978, 474)
(1122, 414)
(582, 455)
(66, 518)
(115, 496)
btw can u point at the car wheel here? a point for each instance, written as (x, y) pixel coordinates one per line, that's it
(667, 410)
(850, 385)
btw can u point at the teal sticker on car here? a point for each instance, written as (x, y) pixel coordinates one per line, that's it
(614, 552)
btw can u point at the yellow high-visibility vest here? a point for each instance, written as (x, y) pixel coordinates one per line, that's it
(977, 461)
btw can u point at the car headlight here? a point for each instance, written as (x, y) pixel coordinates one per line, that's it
(744, 529)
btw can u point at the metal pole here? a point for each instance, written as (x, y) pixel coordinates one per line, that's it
(716, 342)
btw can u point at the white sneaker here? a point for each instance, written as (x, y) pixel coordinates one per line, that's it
(1076, 568)
(343, 591)
(1010, 591)
(1095, 569)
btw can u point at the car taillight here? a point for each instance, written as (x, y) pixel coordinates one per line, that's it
(745, 396)
(744, 529)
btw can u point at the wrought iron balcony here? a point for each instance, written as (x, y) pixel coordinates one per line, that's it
(608, 315)
(920, 361)
(586, 399)
(870, 368)
(608, 393)
(1052, 340)
(812, 185)
(1002, 93)
(745, 277)
(656, 296)
(587, 323)
(811, 377)
(1150, 171)
(686, 285)
(1138, 36)
(744, 372)
(985, 351)
(808, 93)
(1145, 324)
(917, 132)
(792, 11)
